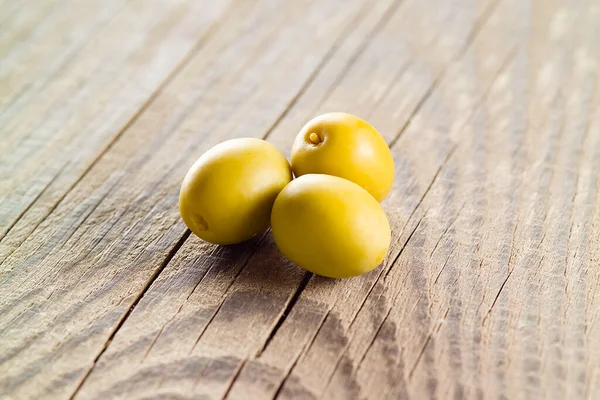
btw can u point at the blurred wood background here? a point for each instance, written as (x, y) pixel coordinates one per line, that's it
(490, 289)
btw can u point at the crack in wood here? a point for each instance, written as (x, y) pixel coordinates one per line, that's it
(341, 357)
(496, 298)
(286, 312)
(304, 351)
(402, 248)
(446, 230)
(176, 313)
(40, 194)
(235, 376)
(443, 266)
(362, 304)
(226, 292)
(387, 314)
(429, 337)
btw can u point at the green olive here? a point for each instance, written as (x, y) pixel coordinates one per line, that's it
(330, 226)
(227, 195)
(344, 145)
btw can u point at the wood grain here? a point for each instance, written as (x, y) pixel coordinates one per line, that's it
(489, 289)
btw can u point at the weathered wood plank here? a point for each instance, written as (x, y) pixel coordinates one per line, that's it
(93, 256)
(489, 290)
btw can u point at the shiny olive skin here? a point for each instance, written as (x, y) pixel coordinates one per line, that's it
(347, 146)
(227, 195)
(330, 226)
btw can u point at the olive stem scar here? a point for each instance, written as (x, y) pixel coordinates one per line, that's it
(200, 223)
(314, 138)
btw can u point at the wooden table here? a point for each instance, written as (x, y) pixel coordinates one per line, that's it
(491, 286)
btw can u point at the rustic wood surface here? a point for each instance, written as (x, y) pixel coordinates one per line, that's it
(491, 286)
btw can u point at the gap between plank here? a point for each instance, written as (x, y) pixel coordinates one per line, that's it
(286, 311)
(237, 373)
(304, 351)
(225, 294)
(124, 318)
(3, 235)
(422, 351)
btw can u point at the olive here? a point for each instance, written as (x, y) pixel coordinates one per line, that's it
(347, 146)
(330, 226)
(227, 195)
